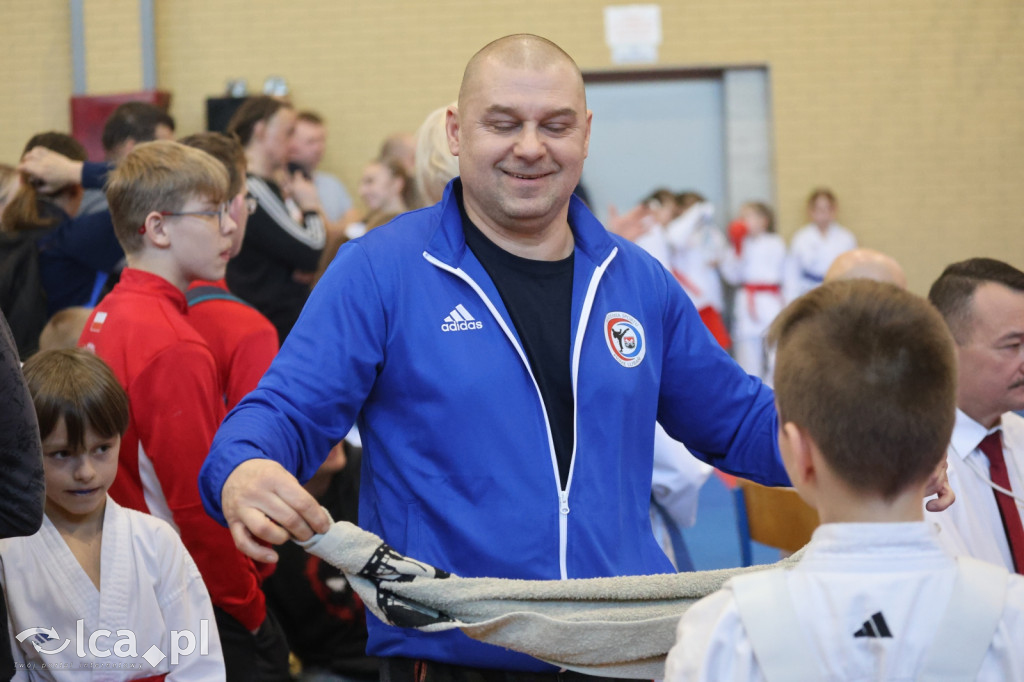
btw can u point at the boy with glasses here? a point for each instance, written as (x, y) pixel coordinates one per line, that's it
(171, 214)
(241, 338)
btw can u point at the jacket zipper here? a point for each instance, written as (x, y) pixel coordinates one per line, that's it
(588, 301)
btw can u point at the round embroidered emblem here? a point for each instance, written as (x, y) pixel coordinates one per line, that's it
(625, 338)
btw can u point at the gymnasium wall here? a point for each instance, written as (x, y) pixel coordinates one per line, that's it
(913, 112)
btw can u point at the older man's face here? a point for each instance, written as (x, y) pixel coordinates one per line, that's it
(992, 355)
(521, 135)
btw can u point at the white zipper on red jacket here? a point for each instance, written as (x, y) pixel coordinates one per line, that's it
(588, 302)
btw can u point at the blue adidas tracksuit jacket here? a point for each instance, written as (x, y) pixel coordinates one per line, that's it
(407, 336)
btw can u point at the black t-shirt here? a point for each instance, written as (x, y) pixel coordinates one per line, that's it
(538, 297)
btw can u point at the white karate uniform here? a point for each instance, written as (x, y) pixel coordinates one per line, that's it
(697, 246)
(149, 586)
(850, 573)
(678, 475)
(675, 487)
(811, 254)
(760, 264)
(655, 242)
(972, 526)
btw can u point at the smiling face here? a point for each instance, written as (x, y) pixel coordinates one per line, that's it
(521, 134)
(991, 358)
(77, 480)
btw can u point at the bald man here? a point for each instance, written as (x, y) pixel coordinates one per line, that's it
(505, 358)
(864, 263)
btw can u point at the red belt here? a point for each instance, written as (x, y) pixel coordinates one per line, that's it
(687, 283)
(756, 289)
(154, 678)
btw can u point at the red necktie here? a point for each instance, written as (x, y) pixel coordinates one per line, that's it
(992, 446)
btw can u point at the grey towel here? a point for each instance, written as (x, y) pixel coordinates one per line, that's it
(615, 627)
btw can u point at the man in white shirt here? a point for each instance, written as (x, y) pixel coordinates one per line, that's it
(982, 301)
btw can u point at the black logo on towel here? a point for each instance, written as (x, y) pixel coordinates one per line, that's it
(875, 626)
(388, 566)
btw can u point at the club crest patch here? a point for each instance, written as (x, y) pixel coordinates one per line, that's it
(625, 338)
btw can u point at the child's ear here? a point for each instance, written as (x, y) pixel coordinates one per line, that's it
(155, 229)
(800, 447)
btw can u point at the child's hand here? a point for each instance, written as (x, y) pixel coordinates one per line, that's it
(938, 484)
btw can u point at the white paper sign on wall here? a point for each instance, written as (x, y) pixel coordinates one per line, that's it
(633, 32)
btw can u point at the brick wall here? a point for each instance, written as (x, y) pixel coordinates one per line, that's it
(113, 50)
(35, 71)
(913, 112)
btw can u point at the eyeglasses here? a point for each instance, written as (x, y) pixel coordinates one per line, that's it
(221, 212)
(251, 204)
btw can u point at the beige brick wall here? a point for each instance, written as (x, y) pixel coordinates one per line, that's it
(913, 112)
(35, 71)
(113, 47)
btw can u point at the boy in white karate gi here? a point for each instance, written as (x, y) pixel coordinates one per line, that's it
(865, 384)
(101, 592)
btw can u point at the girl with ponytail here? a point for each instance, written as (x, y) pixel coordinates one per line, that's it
(30, 208)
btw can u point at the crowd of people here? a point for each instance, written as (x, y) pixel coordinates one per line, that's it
(679, 229)
(200, 342)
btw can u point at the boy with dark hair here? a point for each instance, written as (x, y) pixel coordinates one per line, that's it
(95, 566)
(169, 205)
(133, 123)
(130, 124)
(865, 385)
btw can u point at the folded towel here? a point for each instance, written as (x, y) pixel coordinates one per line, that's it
(615, 627)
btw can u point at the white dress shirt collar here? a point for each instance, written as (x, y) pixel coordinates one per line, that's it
(968, 434)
